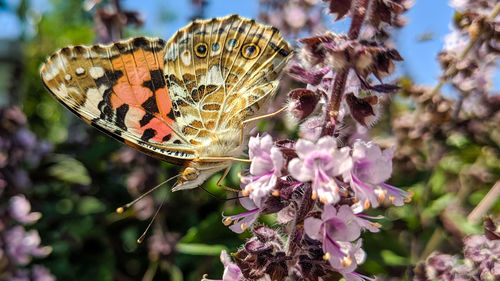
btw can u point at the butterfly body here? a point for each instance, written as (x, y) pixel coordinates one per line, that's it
(185, 101)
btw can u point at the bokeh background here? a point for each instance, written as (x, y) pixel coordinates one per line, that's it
(75, 176)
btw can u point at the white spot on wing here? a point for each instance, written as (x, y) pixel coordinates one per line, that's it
(67, 77)
(79, 70)
(186, 58)
(93, 99)
(96, 72)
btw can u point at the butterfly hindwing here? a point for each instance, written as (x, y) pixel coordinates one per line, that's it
(119, 88)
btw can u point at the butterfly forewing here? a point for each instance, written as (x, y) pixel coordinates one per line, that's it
(221, 71)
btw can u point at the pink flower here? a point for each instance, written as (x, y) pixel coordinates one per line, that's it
(371, 167)
(337, 230)
(242, 221)
(21, 245)
(320, 163)
(231, 271)
(41, 273)
(265, 169)
(19, 209)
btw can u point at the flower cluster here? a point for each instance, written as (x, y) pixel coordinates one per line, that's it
(18, 245)
(319, 186)
(471, 50)
(481, 260)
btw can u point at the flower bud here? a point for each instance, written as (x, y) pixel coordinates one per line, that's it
(302, 103)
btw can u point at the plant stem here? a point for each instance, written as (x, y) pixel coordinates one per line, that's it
(486, 203)
(302, 210)
(358, 11)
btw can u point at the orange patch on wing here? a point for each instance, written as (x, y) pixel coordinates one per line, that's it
(129, 89)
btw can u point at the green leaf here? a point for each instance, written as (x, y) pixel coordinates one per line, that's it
(200, 249)
(70, 170)
(391, 258)
(90, 205)
(438, 205)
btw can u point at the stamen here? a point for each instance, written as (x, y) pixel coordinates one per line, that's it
(245, 192)
(227, 221)
(323, 199)
(243, 226)
(375, 224)
(367, 204)
(120, 210)
(346, 261)
(314, 195)
(326, 256)
(276, 193)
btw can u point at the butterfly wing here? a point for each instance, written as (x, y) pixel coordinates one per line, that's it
(120, 89)
(221, 71)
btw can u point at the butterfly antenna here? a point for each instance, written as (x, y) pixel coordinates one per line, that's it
(121, 209)
(140, 239)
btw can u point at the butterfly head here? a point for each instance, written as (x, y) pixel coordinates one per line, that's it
(195, 173)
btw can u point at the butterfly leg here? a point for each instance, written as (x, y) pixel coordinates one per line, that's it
(259, 118)
(226, 171)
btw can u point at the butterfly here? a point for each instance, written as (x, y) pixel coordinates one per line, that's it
(189, 101)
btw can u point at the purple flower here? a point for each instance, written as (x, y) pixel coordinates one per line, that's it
(242, 221)
(371, 167)
(231, 271)
(41, 273)
(21, 245)
(265, 169)
(19, 209)
(336, 230)
(320, 163)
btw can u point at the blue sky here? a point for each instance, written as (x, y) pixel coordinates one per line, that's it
(425, 17)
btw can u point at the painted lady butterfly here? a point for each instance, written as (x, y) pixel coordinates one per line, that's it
(188, 101)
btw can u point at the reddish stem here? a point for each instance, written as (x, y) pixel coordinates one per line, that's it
(358, 11)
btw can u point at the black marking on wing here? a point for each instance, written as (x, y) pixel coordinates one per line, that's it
(121, 112)
(146, 118)
(148, 133)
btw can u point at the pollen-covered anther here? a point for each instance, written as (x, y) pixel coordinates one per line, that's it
(227, 221)
(314, 195)
(245, 192)
(410, 195)
(326, 256)
(120, 210)
(347, 261)
(355, 200)
(276, 193)
(367, 204)
(242, 178)
(375, 224)
(323, 199)
(243, 226)
(381, 194)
